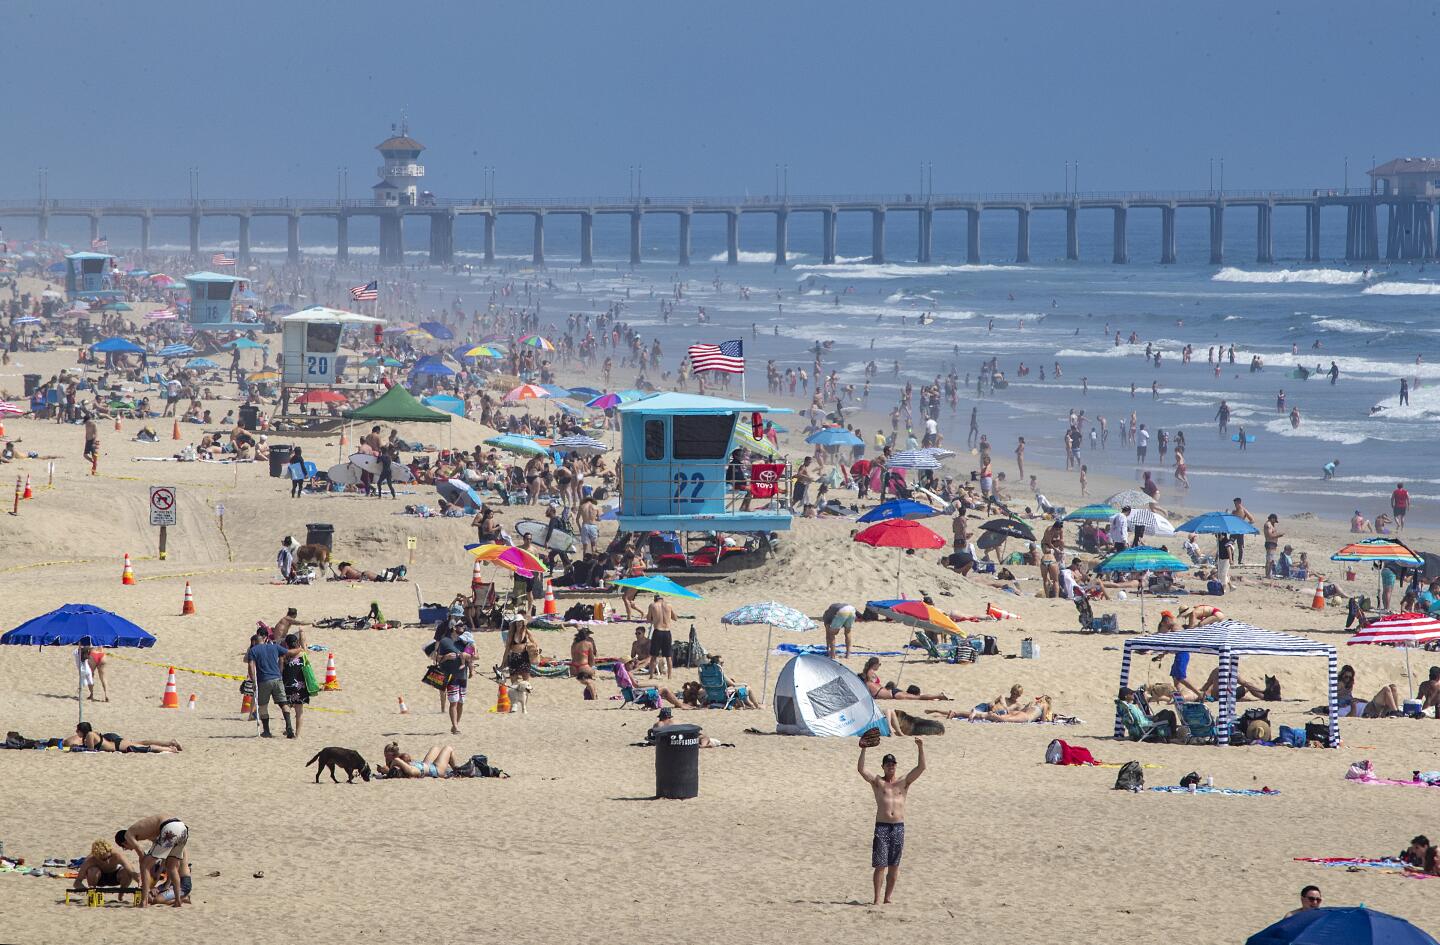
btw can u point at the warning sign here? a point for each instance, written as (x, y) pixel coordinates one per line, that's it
(162, 505)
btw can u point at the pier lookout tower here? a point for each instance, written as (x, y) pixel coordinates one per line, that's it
(400, 175)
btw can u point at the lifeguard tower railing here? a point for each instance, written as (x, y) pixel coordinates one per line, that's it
(698, 495)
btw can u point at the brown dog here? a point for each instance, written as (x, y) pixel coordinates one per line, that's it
(318, 555)
(345, 758)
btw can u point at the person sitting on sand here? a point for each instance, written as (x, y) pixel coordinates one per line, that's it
(583, 658)
(438, 762)
(104, 868)
(1429, 691)
(1039, 710)
(1243, 687)
(650, 697)
(1386, 701)
(744, 697)
(870, 676)
(1199, 615)
(85, 737)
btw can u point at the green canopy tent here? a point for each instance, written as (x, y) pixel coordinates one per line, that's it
(398, 405)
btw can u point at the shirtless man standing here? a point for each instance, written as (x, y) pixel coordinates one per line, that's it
(167, 836)
(589, 515)
(890, 793)
(662, 644)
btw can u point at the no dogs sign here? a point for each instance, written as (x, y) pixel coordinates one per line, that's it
(162, 505)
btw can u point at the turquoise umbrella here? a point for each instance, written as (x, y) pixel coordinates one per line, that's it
(1092, 513)
(772, 615)
(1138, 559)
(658, 584)
(244, 344)
(513, 443)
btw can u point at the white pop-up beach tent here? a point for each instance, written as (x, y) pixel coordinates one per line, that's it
(818, 696)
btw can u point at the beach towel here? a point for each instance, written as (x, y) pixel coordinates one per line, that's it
(1391, 782)
(1232, 792)
(1349, 863)
(818, 649)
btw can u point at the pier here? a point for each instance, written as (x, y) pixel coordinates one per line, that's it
(1409, 234)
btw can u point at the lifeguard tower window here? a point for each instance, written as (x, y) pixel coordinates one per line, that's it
(654, 440)
(702, 437)
(219, 291)
(322, 339)
(92, 266)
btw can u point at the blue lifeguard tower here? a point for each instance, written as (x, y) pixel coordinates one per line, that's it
(675, 451)
(86, 273)
(211, 297)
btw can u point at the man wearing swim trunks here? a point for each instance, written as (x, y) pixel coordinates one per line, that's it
(168, 836)
(837, 618)
(890, 793)
(662, 643)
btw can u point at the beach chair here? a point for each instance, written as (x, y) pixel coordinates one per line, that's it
(1138, 726)
(712, 677)
(1198, 721)
(933, 653)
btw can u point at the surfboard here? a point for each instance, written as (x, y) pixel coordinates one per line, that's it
(560, 540)
(344, 474)
(1235, 438)
(365, 461)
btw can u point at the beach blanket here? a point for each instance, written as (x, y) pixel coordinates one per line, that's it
(818, 649)
(1391, 782)
(1356, 863)
(1201, 789)
(1058, 720)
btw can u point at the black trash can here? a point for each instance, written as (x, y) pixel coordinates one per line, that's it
(250, 416)
(279, 459)
(320, 533)
(677, 762)
(32, 383)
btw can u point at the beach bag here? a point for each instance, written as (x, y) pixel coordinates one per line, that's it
(1317, 732)
(1291, 737)
(1130, 778)
(992, 647)
(1054, 752)
(434, 677)
(1215, 588)
(312, 686)
(1360, 771)
(1064, 753)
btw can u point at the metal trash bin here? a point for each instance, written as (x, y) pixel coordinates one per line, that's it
(279, 459)
(32, 384)
(320, 533)
(250, 416)
(677, 762)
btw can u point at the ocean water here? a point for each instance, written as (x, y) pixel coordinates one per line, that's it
(1372, 322)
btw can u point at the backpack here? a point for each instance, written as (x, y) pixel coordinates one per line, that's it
(1054, 752)
(1130, 778)
(1060, 752)
(582, 612)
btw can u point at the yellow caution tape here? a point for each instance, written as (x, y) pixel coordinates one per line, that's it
(45, 564)
(184, 574)
(110, 654)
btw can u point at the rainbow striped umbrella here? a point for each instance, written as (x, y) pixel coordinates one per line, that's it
(536, 341)
(917, 613)
(1380, 549)
(1404, 630)
(507, 556)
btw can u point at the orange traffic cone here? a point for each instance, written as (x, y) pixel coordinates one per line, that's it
(188, 607)
(175, 432)
(332, 679)
(2, 426)
(171, 699)
(28, 494)
(476, 578)
(344, 440)
(127, 576)
(247, 704)
(549, 598)
(502, 700)
(117, 423)
(191, 705)
(404, 709)
(1319, 602)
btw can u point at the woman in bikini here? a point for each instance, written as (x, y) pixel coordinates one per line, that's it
(582, 661)
(438, 762)
(87, 738)
(96, 657)
(1039, 710)
(517, 651)
(870, 675)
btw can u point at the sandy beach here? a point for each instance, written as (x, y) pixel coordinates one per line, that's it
(1000, 846)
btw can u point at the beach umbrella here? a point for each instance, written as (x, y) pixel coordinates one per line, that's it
(78, 625)
(204, 363)
(458, 492)
(116, 346)
(115, 307)
(939, 452)
(657, 584)
(514, 443)
(772, 615)
(263, 376)
(1217, 523)
(900, 534)
(1379, 550)
(7, 409)
(834, 436)
(321, 397)
(1010, 528)
(536, 341)
(913, 459)
(605, 401)
(161, 314)
(508, 556)
(26, 320)
(1092, 513)
(569, 410)
(54, 267)
(1138, 559)
(483, 351)
(582, 444)
(1152, 522)
(432, 366)
(555, 390)
(1350, 925)
(583, 393)
(1404, 630)
(1131, 497)
(438, 331)
(446, 403)
(526, 392)
(898, 508)
(918, 614)
(244, 344)
(176, 351)
(745, 439)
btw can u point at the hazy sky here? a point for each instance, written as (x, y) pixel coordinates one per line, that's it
(268, 98)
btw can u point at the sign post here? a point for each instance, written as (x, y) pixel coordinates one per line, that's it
(162, 512)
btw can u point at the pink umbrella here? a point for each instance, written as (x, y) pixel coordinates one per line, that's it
(1404, 630)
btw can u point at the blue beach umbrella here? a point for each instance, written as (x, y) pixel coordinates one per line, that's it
(514, 443)
(438, 331)
(204, 363)
(458, 492)
(834, 436)
(78, 625)
(244, 344)
(446, 403)
(899, 508)
(583, 393)
(658, 584)
(1351, 925)
(176, 351)
(116, 346)
(1218, 523)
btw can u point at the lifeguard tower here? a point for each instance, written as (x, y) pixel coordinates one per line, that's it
(212, 297)
(675, 474)
(312, 343)
(87, 273)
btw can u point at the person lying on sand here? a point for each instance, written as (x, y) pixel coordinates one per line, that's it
(1039, 710)
(345, 571)
(870, 676)
(85, 737)
(104, 868)
(1243, 687)
(438, 762)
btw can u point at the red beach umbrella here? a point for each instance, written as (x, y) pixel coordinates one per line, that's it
(900, 534)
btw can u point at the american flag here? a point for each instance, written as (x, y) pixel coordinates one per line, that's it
(369, 292)
(727, 356)
(222, 260)
(101, 245)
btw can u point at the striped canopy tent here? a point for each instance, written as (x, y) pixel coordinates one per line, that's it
(1228, 640)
